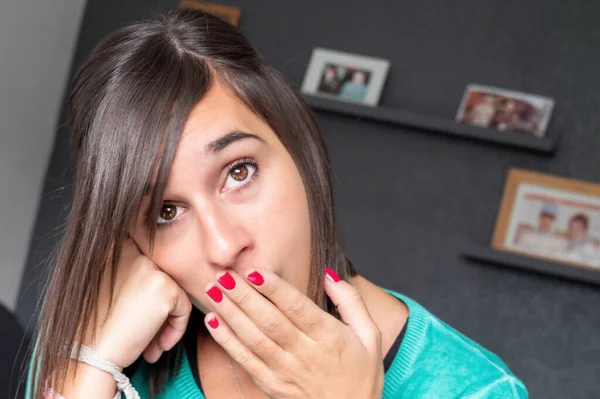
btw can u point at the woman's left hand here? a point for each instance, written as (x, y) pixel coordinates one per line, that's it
(289, 345)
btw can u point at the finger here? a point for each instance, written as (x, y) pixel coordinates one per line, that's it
(244, 328)
(237, 351)
(351, 307)
(297, 307)
(180, 309)
(172, 332)
(177, 321)
(152, 352)
(262, 312)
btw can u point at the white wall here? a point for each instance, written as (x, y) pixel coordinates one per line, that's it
(37, 40)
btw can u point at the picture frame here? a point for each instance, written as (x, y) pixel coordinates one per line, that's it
(505, 110)
(229, 14)
(345, 76)
(550, 218)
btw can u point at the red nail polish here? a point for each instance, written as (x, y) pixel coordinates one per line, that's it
(332, 275)
(215, 293)
(227, 281)
(256, 278)
(214, 323)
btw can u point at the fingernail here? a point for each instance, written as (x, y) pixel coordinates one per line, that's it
(227, 281)
(214, 323)
(215, 294)
(332, 275)
(256, 278)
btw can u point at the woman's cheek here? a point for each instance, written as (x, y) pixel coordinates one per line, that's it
(177, 260)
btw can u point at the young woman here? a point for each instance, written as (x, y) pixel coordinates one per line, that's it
(201, 253)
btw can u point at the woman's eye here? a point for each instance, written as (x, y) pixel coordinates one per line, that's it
(168, 213)
(240, 174)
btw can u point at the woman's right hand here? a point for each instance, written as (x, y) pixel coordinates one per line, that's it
(148, 314)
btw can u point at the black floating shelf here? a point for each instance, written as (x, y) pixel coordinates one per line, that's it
(434, 124)
(503, 258)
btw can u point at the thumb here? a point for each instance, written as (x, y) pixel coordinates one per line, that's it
(352, 308)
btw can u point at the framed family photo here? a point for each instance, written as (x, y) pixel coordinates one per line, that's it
(505, 110)
(550, 217)
(345, 77)
(229, 14)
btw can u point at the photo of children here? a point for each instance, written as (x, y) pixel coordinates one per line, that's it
(505, 110)
(557, 224)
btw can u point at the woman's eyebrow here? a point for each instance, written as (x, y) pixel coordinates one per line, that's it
(222, 142)
(218, 145)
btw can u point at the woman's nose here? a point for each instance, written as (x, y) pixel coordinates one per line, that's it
(225, 237)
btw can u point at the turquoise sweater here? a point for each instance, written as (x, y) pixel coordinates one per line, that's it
(434, 361)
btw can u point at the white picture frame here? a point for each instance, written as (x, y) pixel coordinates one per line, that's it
(358, 79)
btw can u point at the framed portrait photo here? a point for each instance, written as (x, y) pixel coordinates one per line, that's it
(345, 77)
(228, 14)
(505, 110)
(550, 217)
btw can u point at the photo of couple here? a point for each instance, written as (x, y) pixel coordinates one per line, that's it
(346, 77)
(346, 82)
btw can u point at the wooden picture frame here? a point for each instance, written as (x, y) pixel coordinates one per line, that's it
(551, 218)
(229, 14)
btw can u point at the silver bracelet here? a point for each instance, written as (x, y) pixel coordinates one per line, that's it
(94, 359)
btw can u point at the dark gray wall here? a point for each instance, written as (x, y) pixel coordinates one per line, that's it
(408, 201)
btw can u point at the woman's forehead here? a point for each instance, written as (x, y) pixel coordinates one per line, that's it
(218, 113)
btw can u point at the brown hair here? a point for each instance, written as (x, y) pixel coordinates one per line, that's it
(581, 218)
(128, 105)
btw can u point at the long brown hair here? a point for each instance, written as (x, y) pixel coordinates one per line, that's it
(127, 108)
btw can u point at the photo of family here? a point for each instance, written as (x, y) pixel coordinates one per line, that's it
(346, 82)
(556, 223)
(505, 110)
(345, 77)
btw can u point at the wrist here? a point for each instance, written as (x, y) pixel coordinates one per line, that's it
(87, 382)
(93, 358)
(108, 352)
(87, 372)
(111, 350)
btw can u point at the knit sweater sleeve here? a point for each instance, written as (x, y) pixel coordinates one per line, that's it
(435, 361)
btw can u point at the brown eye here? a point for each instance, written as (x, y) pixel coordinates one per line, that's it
(239, 173)
(168, 212)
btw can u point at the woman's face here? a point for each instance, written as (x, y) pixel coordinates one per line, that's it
(234, 200)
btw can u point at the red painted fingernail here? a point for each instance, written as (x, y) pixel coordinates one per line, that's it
(215, 293)
(256, 278)
(332, 275)
(227, 281)
(214, 323)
